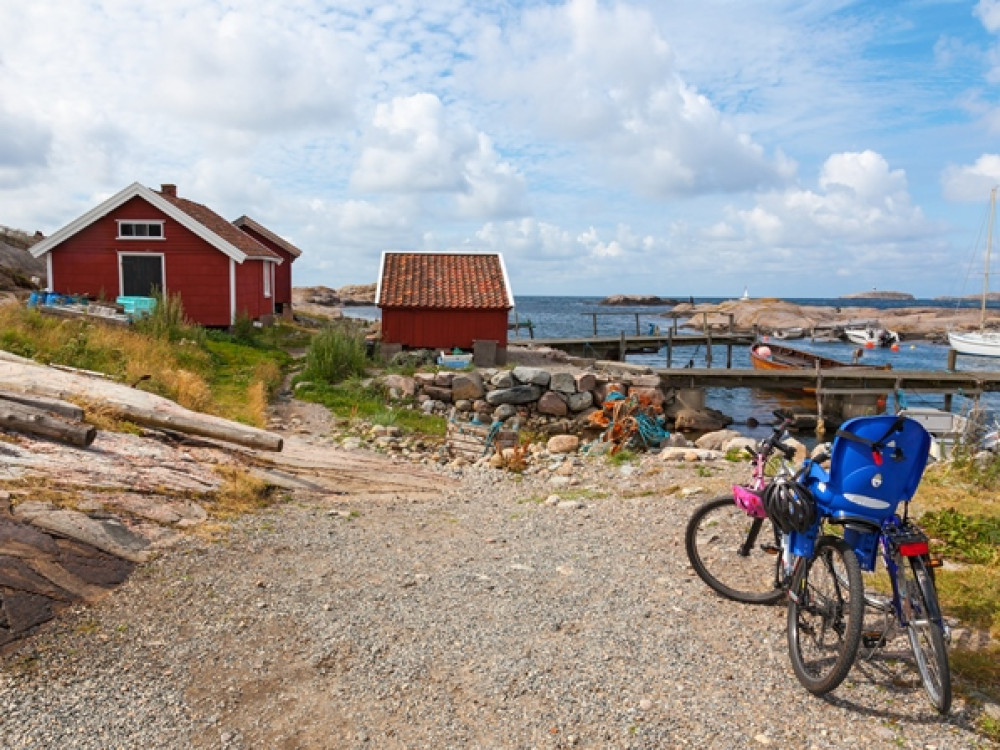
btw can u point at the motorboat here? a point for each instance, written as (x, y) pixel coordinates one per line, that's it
(871, 336)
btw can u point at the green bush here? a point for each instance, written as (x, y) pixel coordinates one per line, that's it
(335, 355)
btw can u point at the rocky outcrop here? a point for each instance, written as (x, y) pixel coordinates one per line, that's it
(636, 300)
(876, 294)
(767, 315)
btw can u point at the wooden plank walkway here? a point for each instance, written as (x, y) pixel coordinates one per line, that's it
(610, 347)
(831, 380)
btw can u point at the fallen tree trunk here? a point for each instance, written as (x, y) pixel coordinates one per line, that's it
(27, 377)
(15, 416)
(54, 405)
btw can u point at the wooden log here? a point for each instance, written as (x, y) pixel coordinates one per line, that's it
(230, 432)
(21, 418)
(54, 405)
(24, 376)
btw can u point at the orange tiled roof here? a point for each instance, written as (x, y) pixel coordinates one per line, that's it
(444, 280)
(227, 231)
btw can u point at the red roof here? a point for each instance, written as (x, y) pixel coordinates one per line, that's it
(245, 222)
(444, 281)
(224, 229)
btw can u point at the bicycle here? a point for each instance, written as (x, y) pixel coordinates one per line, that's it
(876, 464)
(721, 538)
(748, 550)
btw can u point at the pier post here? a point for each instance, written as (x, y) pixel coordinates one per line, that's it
(704, 323)
(670, 345)
(621, 347)
(594, 315)
(708, 349)
(637, 331)
(952, 360)
(674, 327)
(732, 325)
(729, 356)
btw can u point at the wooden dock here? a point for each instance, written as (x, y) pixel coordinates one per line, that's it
(617, 347)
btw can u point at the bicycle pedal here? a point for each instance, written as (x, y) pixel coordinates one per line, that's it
(769, 549)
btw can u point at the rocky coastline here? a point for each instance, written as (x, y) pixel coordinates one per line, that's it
(769, 315)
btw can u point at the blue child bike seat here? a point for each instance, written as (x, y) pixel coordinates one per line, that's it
(875, 463)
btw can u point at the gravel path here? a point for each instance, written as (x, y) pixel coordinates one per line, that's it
(479, 616)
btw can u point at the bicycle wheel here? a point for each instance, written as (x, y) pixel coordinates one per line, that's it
(920, 608)
(736, 555)
(825, 616)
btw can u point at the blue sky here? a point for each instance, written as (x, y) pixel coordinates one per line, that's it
(797, 148)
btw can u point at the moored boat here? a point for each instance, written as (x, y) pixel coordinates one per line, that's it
(778, 357)
(871, 336)
(983, 343)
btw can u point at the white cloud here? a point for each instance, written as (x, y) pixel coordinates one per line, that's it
(414, 146)
(972, 181)
(988, 11)
(605, 77)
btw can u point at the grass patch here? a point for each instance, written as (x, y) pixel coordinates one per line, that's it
(354, 399)
(972, 539)
(241, 493)
(622, 457)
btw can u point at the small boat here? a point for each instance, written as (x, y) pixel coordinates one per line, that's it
(983, 343)
(777, 357)
(871, 336)
(795, 332)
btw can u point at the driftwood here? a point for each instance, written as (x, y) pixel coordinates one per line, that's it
(54, 405)
(15, 416)
(26, 377)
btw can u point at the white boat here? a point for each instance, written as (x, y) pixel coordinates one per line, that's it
(982, 342)
(871, 336)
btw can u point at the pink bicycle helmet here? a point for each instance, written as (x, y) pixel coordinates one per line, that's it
(749, 501)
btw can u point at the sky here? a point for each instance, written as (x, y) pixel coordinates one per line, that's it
(792, 148)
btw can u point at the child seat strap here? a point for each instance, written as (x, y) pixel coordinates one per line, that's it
(877, 445)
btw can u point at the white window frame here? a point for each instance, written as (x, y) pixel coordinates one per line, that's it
(146, 222)
(268, 271)
(163, 270)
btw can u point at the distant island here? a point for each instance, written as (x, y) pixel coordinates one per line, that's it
(876, 294)
(636, 300)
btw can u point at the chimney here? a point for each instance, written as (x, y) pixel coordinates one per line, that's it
(168, 190)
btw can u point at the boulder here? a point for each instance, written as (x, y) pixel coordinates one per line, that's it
(715, 440)
(504, 412)
(585, 381)
(532, 376)
(579, 401)
(503, 379)
(467, 385)
(700, 420)
(438, 393)
(443, 378)
(519, 394)
(563, 382)
(563, 444)
(553, 403)
(406, 386)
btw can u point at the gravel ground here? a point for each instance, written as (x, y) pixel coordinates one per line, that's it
(479, 616)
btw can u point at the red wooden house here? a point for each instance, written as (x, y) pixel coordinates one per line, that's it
(283, 272)
(139, 240)
(444, 300)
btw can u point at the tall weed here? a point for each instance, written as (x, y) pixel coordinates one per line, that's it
(335, 355)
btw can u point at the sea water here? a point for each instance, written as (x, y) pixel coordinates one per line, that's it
(573, 317)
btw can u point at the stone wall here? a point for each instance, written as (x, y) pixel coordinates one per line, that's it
(557, 401)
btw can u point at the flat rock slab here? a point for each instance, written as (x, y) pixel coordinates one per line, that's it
(41, 573)
(107, 534)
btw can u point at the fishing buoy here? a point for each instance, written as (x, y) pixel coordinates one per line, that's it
(894, 347)
(764, 351)
(869, 344)
(913, 346)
